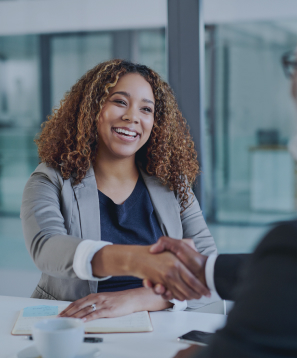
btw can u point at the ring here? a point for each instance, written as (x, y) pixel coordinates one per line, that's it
(93, 306)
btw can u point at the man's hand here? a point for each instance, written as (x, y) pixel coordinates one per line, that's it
(184, 251)
(168, 270)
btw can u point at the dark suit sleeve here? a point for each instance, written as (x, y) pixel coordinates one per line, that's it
(227, 272)
(263, 321)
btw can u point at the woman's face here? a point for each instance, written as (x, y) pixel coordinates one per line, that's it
(127, 118)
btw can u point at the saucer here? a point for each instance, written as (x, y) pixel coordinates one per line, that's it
(87, 350)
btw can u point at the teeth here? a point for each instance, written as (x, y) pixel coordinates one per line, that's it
(119, 130)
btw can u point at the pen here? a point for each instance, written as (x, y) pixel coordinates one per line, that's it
(86, 339)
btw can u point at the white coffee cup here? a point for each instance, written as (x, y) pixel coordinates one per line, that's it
(58, 337)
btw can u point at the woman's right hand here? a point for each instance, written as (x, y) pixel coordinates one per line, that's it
(164, 268)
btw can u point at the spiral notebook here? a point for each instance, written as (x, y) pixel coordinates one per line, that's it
(134, 322)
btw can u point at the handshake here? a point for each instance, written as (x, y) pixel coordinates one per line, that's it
(174, 269)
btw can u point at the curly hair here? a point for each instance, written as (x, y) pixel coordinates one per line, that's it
(68, 140)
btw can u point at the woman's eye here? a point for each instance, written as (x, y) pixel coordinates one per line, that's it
(119, 101)
(147, 109)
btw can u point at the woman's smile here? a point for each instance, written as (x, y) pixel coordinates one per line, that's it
(125, 133)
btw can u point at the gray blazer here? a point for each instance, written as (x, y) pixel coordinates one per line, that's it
(56, 215)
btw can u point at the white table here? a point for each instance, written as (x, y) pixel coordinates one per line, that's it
(159, 343)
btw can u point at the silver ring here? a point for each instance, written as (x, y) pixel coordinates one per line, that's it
(93, 306)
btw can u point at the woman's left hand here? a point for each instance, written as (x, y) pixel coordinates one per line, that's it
(107, 304)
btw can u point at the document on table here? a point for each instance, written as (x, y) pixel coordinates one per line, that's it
(135, 322)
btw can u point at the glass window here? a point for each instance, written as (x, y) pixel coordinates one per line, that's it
(19, 116)
(250, 117)
(151, 50)
(72, 56)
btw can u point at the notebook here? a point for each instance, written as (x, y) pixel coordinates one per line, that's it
(134, 322)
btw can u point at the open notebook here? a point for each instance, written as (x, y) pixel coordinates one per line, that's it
(135, 322)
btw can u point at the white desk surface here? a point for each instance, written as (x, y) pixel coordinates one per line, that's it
(159, 343)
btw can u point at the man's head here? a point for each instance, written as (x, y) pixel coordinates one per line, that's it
(289, 61)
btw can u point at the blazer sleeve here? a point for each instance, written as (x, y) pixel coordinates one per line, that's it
(46, 238)
(194, 227)
(227, 272)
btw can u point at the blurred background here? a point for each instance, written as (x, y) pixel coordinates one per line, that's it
(243, 114)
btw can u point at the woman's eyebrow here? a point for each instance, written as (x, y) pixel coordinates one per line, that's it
(148, 101)
(128, 95)
(121, 92)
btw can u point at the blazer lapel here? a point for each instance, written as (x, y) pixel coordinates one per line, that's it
(88, 205)
(166, 206)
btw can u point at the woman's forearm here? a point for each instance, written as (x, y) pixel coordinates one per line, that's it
(144, 299)
(117, 260)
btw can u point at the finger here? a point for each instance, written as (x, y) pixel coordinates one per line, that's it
(147, 283)
(166, 243)
(193, 284)
(64, 310)
(75, 303)
(83, 312)
(102, 313)
(167, 295)
(194, 261)
(159, 289)
(179, 289)
(78, 306)
(158, 246)
(185, 284)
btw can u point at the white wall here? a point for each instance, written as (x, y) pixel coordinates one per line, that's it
(226, 11)
(48, 16)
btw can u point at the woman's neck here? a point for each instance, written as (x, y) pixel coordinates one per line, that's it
(116, 177)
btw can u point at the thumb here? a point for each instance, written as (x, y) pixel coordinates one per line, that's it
(165, 243)
(158, 247)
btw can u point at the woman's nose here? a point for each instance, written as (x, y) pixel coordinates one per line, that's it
(130, 116)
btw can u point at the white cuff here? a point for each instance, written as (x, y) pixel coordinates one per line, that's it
(177, 305)
(209, 272)
(83, 256)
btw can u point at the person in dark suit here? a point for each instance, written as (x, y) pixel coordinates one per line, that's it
(263, 321)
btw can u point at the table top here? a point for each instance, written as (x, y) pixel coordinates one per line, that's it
(162, 342)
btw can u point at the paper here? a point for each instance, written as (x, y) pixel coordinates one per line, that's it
(37, 311)
(31, 315)
(135, 322)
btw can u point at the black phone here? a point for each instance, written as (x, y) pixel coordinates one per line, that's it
(93, 340)
(196, 337)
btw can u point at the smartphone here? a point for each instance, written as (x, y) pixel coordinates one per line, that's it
(93, 340)
(196, 337)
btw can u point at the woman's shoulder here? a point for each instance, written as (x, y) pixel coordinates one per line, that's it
(44, 171)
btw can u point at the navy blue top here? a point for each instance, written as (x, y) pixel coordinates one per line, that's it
(132, 223)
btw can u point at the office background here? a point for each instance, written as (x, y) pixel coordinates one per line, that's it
(240, 112)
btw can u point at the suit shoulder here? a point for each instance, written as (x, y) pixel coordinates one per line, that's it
(282, 236)
(44, 170)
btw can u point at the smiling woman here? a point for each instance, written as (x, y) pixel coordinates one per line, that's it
(116, 173)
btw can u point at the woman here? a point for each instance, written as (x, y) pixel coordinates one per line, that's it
(117, 165)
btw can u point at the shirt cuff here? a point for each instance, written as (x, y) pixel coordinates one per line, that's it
(177, 305)
(209, 272)
(83, 256)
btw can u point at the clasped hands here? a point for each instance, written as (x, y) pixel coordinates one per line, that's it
(171, 268)
(191, 282)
